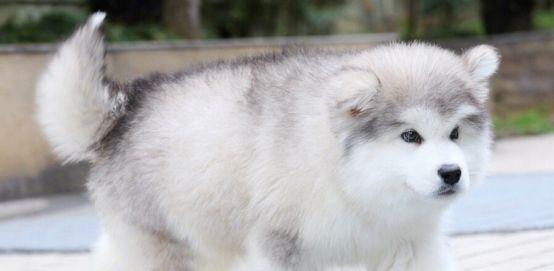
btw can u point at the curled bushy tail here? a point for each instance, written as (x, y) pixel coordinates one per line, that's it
(76, 106)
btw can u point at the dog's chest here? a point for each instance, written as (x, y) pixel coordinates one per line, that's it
(346, 240)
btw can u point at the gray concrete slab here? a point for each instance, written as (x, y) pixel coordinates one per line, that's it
(529, 250)
(504, 203)
(65, 223)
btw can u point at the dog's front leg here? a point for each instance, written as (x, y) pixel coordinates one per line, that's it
(253, 261)
(422, 255)
(431, 255)
(257, 259)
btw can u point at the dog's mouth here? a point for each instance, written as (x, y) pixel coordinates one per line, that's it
(447, 190)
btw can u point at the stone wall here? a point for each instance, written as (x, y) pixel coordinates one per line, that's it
(525, 79)
(526, 75)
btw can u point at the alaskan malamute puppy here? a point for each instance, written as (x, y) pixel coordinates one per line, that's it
(290, 161)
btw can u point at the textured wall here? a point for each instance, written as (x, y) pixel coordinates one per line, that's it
(525, 79)
(526, 75)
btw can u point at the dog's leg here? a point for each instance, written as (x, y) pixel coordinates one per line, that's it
(125, 247)
(433, 255)
(439, 261)
(272, 250)
(423, 255)
(254, 260)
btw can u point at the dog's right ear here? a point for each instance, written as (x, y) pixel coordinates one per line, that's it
(353, 90)
(482, 62)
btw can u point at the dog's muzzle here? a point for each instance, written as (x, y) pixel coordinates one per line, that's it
(447, 189)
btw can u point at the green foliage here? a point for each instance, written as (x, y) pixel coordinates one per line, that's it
(248, 18)
(544, 19)
(137, 32)
(445, 8)
(446, 19)
(243, 18)
(460, 29)
(533, 121)
(58, 24)
(53, 26)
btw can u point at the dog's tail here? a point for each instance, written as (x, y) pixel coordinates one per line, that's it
(76, 104)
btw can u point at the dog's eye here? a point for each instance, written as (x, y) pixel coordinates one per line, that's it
(411, 136)
(454, 134)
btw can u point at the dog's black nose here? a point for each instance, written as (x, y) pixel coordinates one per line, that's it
(450, 173)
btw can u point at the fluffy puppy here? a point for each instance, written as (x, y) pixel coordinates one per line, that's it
(299, 160)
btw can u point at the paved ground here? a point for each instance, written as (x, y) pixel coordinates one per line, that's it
(505, 224)
(523, 251)
(532, 154)
(520, 251)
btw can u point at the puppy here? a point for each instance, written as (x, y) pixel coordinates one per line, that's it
(299, 160)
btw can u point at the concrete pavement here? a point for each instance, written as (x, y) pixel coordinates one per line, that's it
(522, 251)
(531, 154)
(518, 251)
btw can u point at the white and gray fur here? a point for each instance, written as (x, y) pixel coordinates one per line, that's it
(286, 161)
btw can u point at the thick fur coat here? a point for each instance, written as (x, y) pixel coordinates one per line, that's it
(300, 160)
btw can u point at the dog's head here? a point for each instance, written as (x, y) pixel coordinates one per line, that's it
(413, 122)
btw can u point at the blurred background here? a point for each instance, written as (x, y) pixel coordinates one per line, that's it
(43, 211)
(24, 21)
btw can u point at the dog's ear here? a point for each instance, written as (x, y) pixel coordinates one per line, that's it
(353, 90)
(482, 62)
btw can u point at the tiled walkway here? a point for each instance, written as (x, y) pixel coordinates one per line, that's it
(522, 251)
(45, 262)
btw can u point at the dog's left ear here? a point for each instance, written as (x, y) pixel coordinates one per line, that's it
(482, 62)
